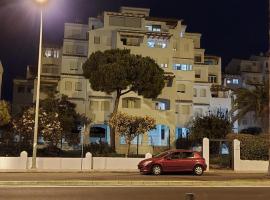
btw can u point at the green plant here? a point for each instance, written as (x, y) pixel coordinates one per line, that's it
(252, 147)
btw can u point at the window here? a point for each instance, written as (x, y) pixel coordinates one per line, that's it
(203, 93)
(185, 155)
(160, 106)
(183, 67)
(235, 81)
(29, 89)
(198, 58)
(185, 110)
(228, 81)
(93, 105)
(176, 155)
(156, 28)
(157, 43)
(73, 65)
(197, 73)
(96, 40)
(244, 122)
(164, 65)
(181, 88)
(78, 86)
(20, 89)
(212, 78)
(68, 85)
(162, 134)
(105, 106)
(194, 92)
(130, 102)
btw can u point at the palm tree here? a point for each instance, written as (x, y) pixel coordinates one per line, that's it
(256, 100)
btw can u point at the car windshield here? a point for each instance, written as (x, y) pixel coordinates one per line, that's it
(161, 154)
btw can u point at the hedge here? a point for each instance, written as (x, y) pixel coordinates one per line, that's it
(252, 147)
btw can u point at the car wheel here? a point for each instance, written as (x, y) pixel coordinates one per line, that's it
(198, 170)
(156, 170)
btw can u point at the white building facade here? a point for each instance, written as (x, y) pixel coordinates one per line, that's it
(187, 94)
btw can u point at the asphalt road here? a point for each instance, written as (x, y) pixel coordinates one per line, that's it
(129, 176)
(138, 193)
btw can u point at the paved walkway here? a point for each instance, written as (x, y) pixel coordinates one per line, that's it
(216, 178)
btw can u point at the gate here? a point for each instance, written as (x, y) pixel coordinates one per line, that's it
(220, 154)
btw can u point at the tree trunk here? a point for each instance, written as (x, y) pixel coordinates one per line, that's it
(115, 109)
(128, 148)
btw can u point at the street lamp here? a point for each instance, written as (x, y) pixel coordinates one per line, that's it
(41, 3)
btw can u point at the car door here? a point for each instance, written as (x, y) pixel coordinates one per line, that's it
(186, 161)
(171, 162)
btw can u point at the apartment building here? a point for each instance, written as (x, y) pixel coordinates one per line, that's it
(190, 73)
(1, 76)
(247, 74)
(24, 89)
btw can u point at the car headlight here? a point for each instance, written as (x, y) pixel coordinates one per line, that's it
(147, 162)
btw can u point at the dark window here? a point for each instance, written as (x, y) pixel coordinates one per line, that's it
(197, 76)
(198, 59)
(124, 40)
(29, 89)
(20, 89)
(175, 155)
(187, 155)
(162, 134)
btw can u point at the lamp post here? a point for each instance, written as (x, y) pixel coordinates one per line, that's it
(34, 155)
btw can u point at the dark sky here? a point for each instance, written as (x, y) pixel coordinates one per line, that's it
(230, 28)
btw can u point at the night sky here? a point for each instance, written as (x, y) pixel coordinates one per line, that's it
(230, 28)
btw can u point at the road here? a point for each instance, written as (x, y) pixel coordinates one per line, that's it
(133, 193)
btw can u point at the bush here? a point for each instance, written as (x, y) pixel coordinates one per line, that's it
(252, 147)
(102, 149)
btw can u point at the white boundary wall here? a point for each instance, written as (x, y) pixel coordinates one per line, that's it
(247, 165)
(85, 164)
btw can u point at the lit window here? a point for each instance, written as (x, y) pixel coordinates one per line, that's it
(229, 81)
(212, 79)
(156, 28)
(198, 112)
(160, 106)
(164, 65)
(183, 67)
(235, 81)
(157, 43)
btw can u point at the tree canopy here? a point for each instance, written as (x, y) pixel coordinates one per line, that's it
(212, 127)
(256, 100)
(4, 113)
(119, 71)
(49, 126)
(130, 126)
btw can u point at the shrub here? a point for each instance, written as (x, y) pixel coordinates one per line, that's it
(102, 149)
(252, 147)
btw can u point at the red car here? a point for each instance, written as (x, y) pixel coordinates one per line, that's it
(174, 161)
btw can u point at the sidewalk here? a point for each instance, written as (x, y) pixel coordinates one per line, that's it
(132, 178)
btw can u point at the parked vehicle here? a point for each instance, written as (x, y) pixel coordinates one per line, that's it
(174, 161)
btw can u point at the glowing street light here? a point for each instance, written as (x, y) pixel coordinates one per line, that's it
(34, 155)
